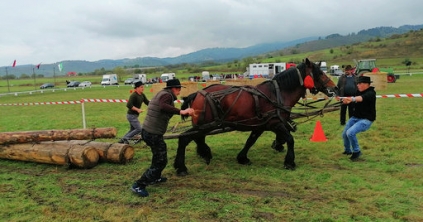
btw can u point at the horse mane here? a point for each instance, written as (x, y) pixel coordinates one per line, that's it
(289, 79)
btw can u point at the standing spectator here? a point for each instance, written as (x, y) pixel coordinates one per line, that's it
(160, 111)
(134, 103)
(347, 87)
(363, 115)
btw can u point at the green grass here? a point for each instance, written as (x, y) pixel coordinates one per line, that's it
(326, 186)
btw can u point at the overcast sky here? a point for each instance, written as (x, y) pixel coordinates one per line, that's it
(41, 31)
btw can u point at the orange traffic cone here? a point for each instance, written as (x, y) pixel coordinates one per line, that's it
(318, 135)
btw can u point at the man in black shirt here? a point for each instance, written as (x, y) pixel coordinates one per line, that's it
(134, 103)
(364, 114)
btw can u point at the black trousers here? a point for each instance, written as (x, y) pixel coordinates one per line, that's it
(159, 160)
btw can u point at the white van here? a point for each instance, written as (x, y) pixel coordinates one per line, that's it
(140, 77)
(323, 66)
(166, 76)
(109, 79)
(205, 75)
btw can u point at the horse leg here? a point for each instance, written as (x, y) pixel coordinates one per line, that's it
(283, 134)
(179, 164)
(203, 150)
(290, 154)
(242, 155)
(278, 143)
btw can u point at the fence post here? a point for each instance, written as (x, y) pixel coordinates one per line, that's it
(84, 125)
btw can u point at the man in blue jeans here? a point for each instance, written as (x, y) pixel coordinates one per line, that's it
(364, 113)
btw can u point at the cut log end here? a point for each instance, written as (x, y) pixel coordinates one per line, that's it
(83, 156)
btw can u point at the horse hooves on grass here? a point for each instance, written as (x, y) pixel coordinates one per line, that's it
(279, 148)
(245, 162)
(289, 167)
(182, 173)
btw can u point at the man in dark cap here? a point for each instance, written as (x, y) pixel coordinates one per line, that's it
(364, 113)
(160, 111)
(134, 103)
(347, 87)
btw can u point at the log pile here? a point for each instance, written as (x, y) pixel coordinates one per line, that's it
(64, 147)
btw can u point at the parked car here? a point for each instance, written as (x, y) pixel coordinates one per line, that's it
(73, 84)
(337, 72)
(85, 84)
(129, 81)
(47, 85)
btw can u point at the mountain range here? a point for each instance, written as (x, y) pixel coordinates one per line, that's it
(217, 55)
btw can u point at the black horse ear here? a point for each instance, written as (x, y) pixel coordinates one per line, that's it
(307, 62)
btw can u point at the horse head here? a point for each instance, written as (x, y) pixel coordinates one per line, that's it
(321, 82)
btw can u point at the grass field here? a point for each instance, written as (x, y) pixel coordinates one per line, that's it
(326, 186)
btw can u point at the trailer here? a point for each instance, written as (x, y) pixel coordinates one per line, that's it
(267, 70)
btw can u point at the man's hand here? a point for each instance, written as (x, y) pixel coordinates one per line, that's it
(189, 111)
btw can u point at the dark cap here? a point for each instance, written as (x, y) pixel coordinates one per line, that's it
(348, 67)
(138, 84)
(364, 79)
(173, 83)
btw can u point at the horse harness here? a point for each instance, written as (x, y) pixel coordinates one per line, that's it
(214, 98)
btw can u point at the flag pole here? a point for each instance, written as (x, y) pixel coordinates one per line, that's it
(7, 79)
(54, 74)
(33, 73)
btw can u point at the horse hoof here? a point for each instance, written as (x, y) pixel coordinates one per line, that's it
(289, 167)
(279, 148)
(245, 162)
(182, 174)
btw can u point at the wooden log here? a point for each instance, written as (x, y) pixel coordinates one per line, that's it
(120, 153)
(108, 152)
(55, 135)
(52, 153)
(83, 156)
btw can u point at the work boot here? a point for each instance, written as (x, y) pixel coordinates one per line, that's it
(355, 156)
(139, 190)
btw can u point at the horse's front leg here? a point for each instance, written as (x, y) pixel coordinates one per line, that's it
(278, 142)
(290, 154)
(242, 155)
(179, 164)
(283, 134)
(203, 150)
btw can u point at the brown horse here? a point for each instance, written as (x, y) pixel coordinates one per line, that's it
(265, 107)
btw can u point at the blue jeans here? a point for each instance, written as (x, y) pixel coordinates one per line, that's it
(135, 126)
(349, 135)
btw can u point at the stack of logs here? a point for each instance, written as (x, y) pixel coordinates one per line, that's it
(73, 148)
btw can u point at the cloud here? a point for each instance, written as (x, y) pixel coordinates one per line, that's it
(49, 32)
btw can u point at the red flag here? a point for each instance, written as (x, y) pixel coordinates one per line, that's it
(14, 63)
(38, 66)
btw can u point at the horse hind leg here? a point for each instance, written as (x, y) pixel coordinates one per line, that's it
(203, 150)
(242, 155)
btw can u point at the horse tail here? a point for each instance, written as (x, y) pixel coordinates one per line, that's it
(187, 102)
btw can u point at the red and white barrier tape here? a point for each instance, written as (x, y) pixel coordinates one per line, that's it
(411, 95)
(414, 95)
